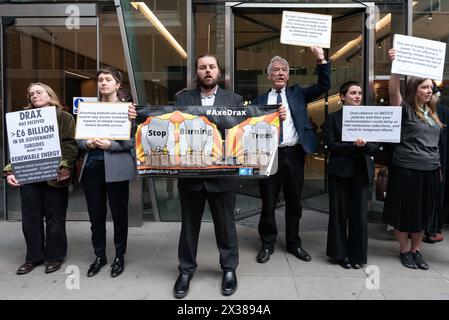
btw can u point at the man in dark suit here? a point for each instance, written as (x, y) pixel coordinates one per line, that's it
(297, 139)
(219, 192)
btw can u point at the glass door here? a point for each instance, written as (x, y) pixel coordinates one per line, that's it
(255, 40)
(47, 50)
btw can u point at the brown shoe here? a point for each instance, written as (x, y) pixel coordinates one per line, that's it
(27, 267)
(433, 238)
(53, 266)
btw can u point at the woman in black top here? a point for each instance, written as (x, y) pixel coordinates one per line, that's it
(413, 186)
(351, 171)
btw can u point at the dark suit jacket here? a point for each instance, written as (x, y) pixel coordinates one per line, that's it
(193, 98)
(298, 98)
(343, 154)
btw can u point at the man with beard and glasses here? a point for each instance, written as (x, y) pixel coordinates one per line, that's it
(297, 139)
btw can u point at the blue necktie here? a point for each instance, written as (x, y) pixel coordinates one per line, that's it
(279, 102)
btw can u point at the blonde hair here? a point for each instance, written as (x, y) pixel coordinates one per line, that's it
(54, 100)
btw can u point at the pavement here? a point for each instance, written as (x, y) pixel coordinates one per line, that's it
(151, 267)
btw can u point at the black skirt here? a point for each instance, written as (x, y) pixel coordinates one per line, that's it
(412, 198)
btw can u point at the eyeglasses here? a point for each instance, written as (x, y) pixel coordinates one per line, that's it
(36, 93)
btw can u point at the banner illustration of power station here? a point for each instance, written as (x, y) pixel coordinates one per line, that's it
(202, 141)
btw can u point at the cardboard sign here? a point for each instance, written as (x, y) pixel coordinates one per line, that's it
(306, 29)
(103, 120)
(418, 57)
(372, 123)
(34, 146)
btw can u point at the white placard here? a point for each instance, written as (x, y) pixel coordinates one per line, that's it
(34, 147)
(418, 57)
(372, 123)
(103, 120)
(77, 100)
(306, 29)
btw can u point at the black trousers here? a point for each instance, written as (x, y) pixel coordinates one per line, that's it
(347, 234)
(222, 208)
(289, 177)
(40, 201)
(97, 192)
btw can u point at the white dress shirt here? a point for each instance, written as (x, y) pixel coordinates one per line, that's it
(289, 134)
(209, 100)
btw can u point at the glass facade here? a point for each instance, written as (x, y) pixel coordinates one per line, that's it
(244, 37)
(64, 56)
(162, 39)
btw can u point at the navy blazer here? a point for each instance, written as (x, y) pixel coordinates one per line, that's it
(343, 154)
(298, 98)
(193, 98)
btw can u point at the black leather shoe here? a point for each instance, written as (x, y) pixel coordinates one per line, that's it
(344, 263)
(181, 288)
(117, 266)
(419, 260)
(96, 266)
(356, 265)
(300, 253)
(229, 283)
(53, 266)
(264, 255)
(27, 267)
(407, 260)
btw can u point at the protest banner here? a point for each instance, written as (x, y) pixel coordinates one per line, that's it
(201, 141)
(103, 120)
(306, 29)
(372, 123)
(34, 147)
(418, 57)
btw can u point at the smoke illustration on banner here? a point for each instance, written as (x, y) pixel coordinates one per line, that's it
(207, 141)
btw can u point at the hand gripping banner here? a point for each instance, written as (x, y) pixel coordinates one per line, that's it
(205, 141)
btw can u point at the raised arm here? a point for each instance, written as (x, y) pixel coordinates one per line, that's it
(394, 85)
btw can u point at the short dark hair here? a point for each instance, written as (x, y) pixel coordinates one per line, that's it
(345, 86)
(115, 73)
(206, 55)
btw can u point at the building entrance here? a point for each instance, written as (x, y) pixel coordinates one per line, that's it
(253, 36)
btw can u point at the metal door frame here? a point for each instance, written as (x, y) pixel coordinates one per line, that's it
(368, 36)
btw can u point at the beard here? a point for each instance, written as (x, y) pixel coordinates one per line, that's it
(208, 83)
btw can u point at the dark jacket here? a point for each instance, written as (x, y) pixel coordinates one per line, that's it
(298, 97)
(193, 98)
(343, 154)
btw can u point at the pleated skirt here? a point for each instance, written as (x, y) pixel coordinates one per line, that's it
(411, 204)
